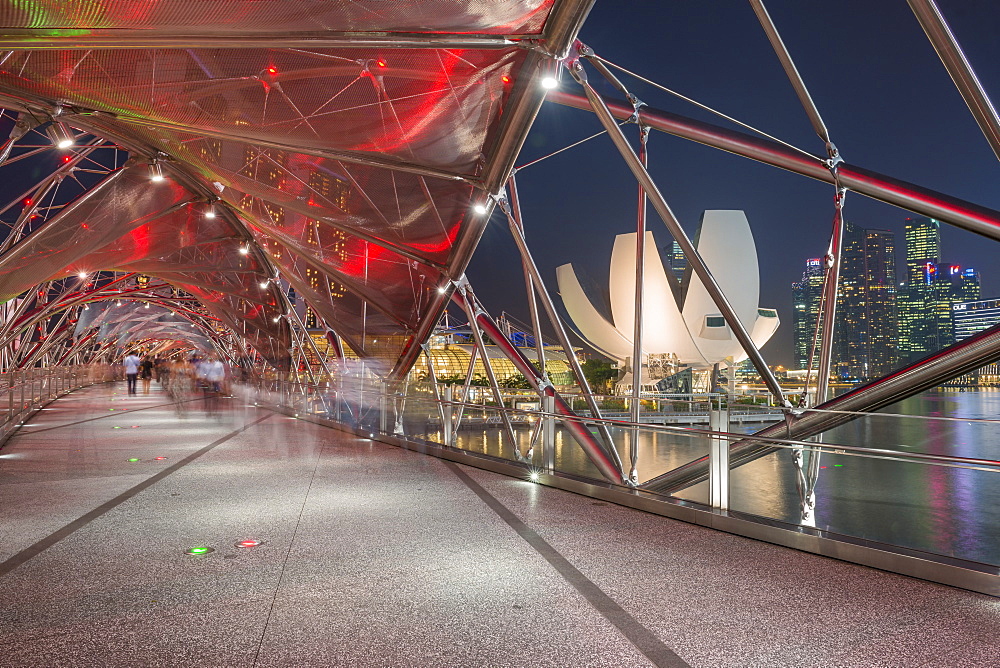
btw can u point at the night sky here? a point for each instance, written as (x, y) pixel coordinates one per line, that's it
(885, 97)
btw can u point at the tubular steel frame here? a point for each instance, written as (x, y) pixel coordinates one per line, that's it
(546, 56)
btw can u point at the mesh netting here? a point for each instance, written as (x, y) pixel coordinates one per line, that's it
(212, 18)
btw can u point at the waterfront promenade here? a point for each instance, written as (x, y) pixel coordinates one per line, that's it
(374, 555)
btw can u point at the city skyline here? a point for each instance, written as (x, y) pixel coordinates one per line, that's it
(902, 117)
(891, 309)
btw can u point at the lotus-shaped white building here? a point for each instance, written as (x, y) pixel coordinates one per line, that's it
(679, 318)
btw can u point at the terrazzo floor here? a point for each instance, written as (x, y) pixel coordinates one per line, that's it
(376, 556)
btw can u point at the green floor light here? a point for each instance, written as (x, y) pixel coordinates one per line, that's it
(198, 551)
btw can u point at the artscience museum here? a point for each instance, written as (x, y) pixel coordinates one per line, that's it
(681, 326)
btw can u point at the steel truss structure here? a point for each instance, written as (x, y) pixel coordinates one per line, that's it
(350, 159)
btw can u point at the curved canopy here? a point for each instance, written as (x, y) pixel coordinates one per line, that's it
(339, 146)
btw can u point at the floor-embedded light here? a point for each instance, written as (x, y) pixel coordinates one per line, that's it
(159, 459)
(60, 134)
(196, 551)
(534, 476)
(549, 82)
(155, 172)
(133, 459)
(250, 542)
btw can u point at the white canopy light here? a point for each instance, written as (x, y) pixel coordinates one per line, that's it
(60, 134)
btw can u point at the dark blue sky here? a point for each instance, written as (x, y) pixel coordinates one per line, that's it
(885, 97)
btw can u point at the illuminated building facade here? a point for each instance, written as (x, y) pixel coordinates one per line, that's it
(932, 288)
(865, 340)
(806, 295)
(974, 316)
(676, 260)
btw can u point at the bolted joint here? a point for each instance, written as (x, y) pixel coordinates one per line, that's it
(576, 70)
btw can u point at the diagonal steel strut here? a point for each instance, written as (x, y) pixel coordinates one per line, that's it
(924, 374)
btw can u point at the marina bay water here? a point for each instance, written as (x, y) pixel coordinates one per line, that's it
(938, 509)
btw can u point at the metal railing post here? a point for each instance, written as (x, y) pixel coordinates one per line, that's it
(718, 458)
(383, 407)
(449, 416)
(548, 433)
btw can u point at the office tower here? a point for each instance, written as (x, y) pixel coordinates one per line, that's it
(923, 246)
(865, 340)
(926, 307)
(974, 316)
(806, 295)
(970, 287)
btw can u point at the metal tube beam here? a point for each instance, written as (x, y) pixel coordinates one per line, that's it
(472, 310)
(432, 377)
(793, 72)
(33, 40)
(923, 201)
(640, 276)
(959, 68)
(931, 371)
(677, 232)
(467, 387)
(573, 423)
(550, 310)
(372, 160)
(536, 322)
(42, 231)
(830, 284)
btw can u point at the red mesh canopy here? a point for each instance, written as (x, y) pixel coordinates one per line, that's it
(345, 143)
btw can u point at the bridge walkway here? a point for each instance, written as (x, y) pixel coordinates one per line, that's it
(374, 555)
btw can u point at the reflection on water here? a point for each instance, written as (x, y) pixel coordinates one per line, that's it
(955, 512)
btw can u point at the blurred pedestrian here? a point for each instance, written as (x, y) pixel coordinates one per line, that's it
(146, 373)
(131, 364)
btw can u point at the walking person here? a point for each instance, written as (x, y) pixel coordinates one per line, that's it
(131, 363)
(146, 373)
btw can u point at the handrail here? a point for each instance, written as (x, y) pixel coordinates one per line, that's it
(953, 461)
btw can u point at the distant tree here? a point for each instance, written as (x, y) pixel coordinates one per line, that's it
(515, 382)
(459, 379)
(600, 374)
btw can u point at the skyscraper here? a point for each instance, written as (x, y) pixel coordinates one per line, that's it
(923, 245)
(865, 339)
(806, 295)
(932, 288)
(923, 252)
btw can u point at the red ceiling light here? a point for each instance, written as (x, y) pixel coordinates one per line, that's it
(28, 202)
(380, 63)
(272, 70)
(505, 79)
